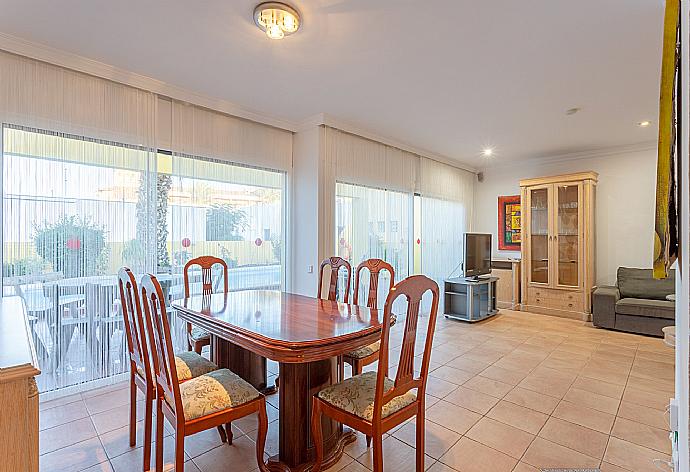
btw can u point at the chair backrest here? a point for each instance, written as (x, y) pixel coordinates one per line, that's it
(413, 289)
(206, 263)
(135, 327)
(375, 266)
(153, 302)
(335, 263)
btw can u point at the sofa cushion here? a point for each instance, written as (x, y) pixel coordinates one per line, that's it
(646, 307)
(639, 283)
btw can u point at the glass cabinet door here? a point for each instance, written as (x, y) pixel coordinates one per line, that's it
(539, 234)
(567, 234)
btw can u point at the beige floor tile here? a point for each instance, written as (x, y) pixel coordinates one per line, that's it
(518, 416)
(108, 401)
(470, 456)
(642, 435)
(472, 366)
(134, 459)
(353, 466)
(116, 442)
(204, 441)
(472, 400)
(56, 416)
(116, 418)
(592, 400)
(546, 454)
(438, 387)
(242, 456)
(592, 419)
(440, 467)
(576, 437)
(75, 457)
(65, 435)
(507, 376)
(547, 385)
(451, 374)
(631, 456)
(62, 401)
(437, 438)
(397, 457)
(652, 385)
(648, 399)
(500, 436)
(453, 417)
(600, 387)
(606, 467)
(643, 414)
(102, 467)
(488, 386)
(525, 467)
(595, 371)
(532, 400)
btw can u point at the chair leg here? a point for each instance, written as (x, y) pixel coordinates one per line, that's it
(189, 342)
(159, 436)
(228, 432)
(368, 442)
(148, 424)
(316, 433)
(179, 450)
(221, 432)
(198, 347)
(260, 435)
(378, 452)
(132, 412)
(419, 443)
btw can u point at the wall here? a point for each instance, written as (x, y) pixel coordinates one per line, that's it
(624, 214)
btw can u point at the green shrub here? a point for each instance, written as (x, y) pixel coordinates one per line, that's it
(73, 246)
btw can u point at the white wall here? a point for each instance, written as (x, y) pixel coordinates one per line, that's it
(625, 196)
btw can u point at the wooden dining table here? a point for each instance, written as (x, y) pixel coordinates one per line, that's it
(305, 336)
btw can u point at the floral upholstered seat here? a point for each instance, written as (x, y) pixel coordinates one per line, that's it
(365, 351)
(356, 395)
(214, 392)
(199, 334)
(189, 365)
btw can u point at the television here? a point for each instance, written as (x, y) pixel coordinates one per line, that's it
(477, 249)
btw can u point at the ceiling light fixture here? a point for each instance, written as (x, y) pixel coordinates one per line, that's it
(644, 124)
(276, 19)
(488, 152)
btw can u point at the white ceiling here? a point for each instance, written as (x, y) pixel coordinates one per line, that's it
(450, 76)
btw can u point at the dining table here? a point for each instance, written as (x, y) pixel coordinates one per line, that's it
(305, 335)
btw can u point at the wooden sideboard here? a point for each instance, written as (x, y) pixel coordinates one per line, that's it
(508, 286)
(18, 391)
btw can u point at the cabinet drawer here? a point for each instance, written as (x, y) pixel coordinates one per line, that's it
(553, 294)
(574, 304)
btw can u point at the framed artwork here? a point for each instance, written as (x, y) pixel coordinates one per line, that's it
(509, 223)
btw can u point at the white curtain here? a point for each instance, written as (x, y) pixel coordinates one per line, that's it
(76, 152)
(447, 197)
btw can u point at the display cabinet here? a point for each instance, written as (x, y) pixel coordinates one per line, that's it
(558, 244)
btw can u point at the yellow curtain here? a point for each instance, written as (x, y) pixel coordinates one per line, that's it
(665, 227)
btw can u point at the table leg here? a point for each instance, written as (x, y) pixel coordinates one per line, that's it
(244, 363)
(298, 383)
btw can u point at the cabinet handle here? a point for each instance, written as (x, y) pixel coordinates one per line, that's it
(570, 305)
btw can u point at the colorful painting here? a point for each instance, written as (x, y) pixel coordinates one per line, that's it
(509, 223)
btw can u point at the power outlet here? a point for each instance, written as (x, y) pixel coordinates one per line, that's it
(310, 269)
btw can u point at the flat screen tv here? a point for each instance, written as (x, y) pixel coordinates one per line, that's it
(477, 254)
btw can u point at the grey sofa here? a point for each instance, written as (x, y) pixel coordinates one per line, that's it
(636, 304)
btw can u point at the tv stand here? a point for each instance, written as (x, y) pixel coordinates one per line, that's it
(470, 299)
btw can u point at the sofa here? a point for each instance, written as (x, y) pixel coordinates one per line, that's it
(637, 304)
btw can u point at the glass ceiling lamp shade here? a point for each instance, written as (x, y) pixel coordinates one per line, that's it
(276, 19)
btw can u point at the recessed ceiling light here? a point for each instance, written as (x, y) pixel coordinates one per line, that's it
(572, 111)
(488, 152)
(644, 124)
(276, 19)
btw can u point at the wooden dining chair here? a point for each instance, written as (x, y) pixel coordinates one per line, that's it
(372, 402)
(141, 377)
(197, 337)
(335, 263)
(368, 354)
(214, 399)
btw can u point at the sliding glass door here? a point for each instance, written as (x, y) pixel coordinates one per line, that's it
(373, 223)
(75, 210)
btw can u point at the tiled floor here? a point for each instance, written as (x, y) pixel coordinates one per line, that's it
(517, 393)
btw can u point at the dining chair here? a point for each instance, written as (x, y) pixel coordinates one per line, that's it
(213, 399)
(372, 403)
(369, 354)
(188, 364)
(335, 263)
(197, 337)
